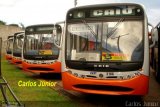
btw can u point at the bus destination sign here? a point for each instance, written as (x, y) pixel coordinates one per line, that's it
(106, 12)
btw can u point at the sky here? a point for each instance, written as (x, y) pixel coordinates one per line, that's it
(30, 12)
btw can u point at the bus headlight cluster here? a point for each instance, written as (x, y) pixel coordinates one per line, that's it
(82, 76)
(130, 76)
(17, 58)
(47, 63)
(137, 74)
(121, 77)
(69, 71)
(28, 62)
(101, 75)
(51, 63)
(75, 74)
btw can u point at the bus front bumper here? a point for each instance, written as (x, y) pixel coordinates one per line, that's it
(42, 68)
(8, 57)
(134, 86)
(17, 62)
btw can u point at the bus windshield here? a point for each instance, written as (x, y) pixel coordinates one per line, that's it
(10, 46)
(40, 44)
(17, 47)
(105, 41)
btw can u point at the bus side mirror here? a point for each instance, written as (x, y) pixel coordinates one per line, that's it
(150, 34)
(55, 39)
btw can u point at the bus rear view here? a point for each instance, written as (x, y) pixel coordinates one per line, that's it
(40, 55)
(104, 50)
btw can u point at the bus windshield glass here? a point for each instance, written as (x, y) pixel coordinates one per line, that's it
(120, 40)
(17, 47)
(40, 44)
(105, 37)
(10, 45)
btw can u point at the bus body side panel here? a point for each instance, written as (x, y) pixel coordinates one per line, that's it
(138, 85)
(40, 68)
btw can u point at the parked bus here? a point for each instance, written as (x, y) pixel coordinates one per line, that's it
(17, 49)
(40, 55)
(155, 59)
(9, 48)
(106, 49)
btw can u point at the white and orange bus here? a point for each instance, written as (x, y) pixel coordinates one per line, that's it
(17, 49)
(40, 55)
(106, 49)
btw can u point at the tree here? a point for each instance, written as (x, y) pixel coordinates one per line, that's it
(2, 22)
(16, 25)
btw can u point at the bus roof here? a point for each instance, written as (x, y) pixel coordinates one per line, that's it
(104, 5)
(40, 25)
(10, 36)
(18, 33)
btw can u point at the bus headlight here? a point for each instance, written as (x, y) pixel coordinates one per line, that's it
(121, 77)
(101, 75)
(128, 76)
(75, 74)
(139, 73)
(82, 76)
(69, 71)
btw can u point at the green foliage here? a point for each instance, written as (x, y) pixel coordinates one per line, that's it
(32, 96)
(16, 25)
(2, 22)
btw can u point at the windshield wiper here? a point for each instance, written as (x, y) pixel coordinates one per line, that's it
(115, 27)
(118, 39)
(113, 30)
(90, 29)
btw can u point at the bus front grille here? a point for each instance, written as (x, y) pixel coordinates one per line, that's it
(102, 87)
(40, 69)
